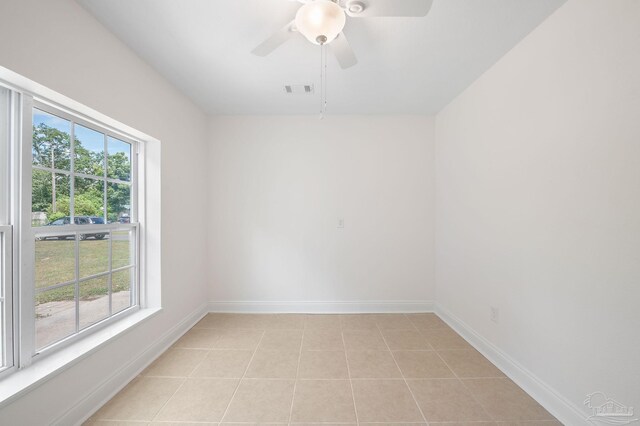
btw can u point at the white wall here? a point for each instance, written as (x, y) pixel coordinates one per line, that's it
(58, 44)
(278, 185)
(538, 202)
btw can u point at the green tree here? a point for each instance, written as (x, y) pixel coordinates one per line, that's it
(51, 148)
(119, 166)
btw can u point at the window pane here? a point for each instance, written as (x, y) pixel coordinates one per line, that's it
(94, 254)
(55, 315)
(51, 145)
(88, 197)
(121, 290)
(55, 260)
(121, 249)
(47, 187)
(89, 151)
(118, 202)
(119, 159)
(94, 301)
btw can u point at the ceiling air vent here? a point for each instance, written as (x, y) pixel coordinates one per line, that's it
(298, 89)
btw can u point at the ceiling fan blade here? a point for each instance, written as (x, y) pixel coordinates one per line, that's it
(273, 42)
(343, 52)
(382, 8)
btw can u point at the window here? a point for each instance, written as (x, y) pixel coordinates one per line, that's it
(69, 226)
(84, 223)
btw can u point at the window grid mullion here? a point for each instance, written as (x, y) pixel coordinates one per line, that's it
(51, 170)
(82, 175)
(77, 286)
(72, 178)
(105, 211)
(110, 275)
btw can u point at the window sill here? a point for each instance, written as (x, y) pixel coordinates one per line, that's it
(23, 381)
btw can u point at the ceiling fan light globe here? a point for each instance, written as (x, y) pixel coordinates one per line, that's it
(320, 20)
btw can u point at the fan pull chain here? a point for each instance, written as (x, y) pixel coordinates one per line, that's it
(323, 80)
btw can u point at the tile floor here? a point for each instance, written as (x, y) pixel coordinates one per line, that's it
(332, 369)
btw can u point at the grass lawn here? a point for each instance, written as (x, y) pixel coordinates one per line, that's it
(55, 263)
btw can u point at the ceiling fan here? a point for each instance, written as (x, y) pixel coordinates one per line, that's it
(322, 22)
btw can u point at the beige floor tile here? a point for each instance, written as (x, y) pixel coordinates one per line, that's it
(422, 365)
(470, 363)
(426, 320)
(183, 424)
(322, 340)
(223, 364)
(385, 401)
(446, 400)
(445, 338)
(176, 362)
(465, 424)
(252, 423)
(504, 400)
(273, 365)
(284, 321)
(207, 321)
(139, 400)
(394, 424)
(372, 365)
(261, 401)
(198, 338)
(363, 340)
(323, 365)
(325, 322)
(217, 352)
(358, 322)
(281, 340)
(323, 401)
(394, 322)
(405, 340)
(230, 321)
(238, 339)
(530, 423)
(324, 424)
(199, 400)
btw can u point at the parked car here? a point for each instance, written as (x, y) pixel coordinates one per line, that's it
(96, 220)
(78, 220)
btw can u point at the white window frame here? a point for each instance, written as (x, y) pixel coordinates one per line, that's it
(28, 350)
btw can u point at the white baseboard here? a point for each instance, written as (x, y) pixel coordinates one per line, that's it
(566, 412)
(351, 307)
(106, 390)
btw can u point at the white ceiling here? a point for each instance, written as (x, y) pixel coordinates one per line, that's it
(405, 65)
